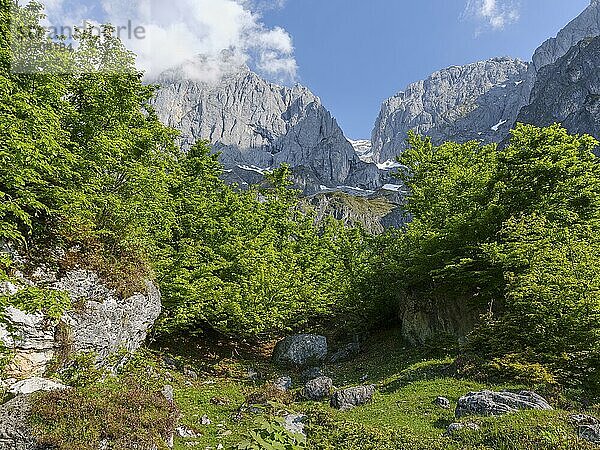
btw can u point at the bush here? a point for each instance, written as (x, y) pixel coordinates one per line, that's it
(124, 417)
(512, 234)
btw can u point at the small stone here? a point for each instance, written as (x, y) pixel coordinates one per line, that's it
(454, 427)
(170, 363)
(294, 423)
(35, 384)
(7, 288)
(253, 375)
(186, 433)
(190, 373)
(283, 383)
(349, 398)
(442, 402)
(169, 393)
(317, 389)
(205, 420)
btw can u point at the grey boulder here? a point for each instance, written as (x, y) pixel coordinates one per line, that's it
(489, 403)
(590, 433)
(294, 423)
(283, 383)
(301, 350)
(349, 398)
(318, 388)
(442, 402)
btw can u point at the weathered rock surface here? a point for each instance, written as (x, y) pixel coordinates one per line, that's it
(257, 125)
(588, 427)
(568, 91)
(317, 388)
(102, 323)
(488, 403)
(590, 433)
(301, 349)
(294, 423)
(479, 101)
(15, 433)
(283, 383)
(349, 398)
(35, 384)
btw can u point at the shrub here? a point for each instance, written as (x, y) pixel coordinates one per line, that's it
(124, 417)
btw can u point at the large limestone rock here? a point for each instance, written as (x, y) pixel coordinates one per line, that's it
(488, 403)
(568, 91)
(257, 125)
(101, 322)
(479, 101)
(301, 349)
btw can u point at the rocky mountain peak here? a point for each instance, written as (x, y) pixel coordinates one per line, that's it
(257, 125)
(587, 24)
(477, 101)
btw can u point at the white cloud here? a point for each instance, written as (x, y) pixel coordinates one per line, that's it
(496, 14)
(177, 31)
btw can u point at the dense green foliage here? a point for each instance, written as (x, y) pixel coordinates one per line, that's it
(512, 233)
(86, 166)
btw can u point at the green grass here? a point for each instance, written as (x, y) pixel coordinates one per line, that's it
(401, 416)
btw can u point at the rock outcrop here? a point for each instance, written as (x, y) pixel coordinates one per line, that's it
(568, 91)
(587, 24)
(479, 101)
(101, 323)
(488, 403)
(257, 125)
(35, 384)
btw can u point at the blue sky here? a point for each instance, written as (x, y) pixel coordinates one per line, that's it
(356, 53)
(351, 53)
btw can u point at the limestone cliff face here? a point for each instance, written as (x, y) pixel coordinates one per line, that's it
(568, 91)
(478, 101)
(257, 125)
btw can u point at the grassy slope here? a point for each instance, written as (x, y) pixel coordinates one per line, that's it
(401, 415)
